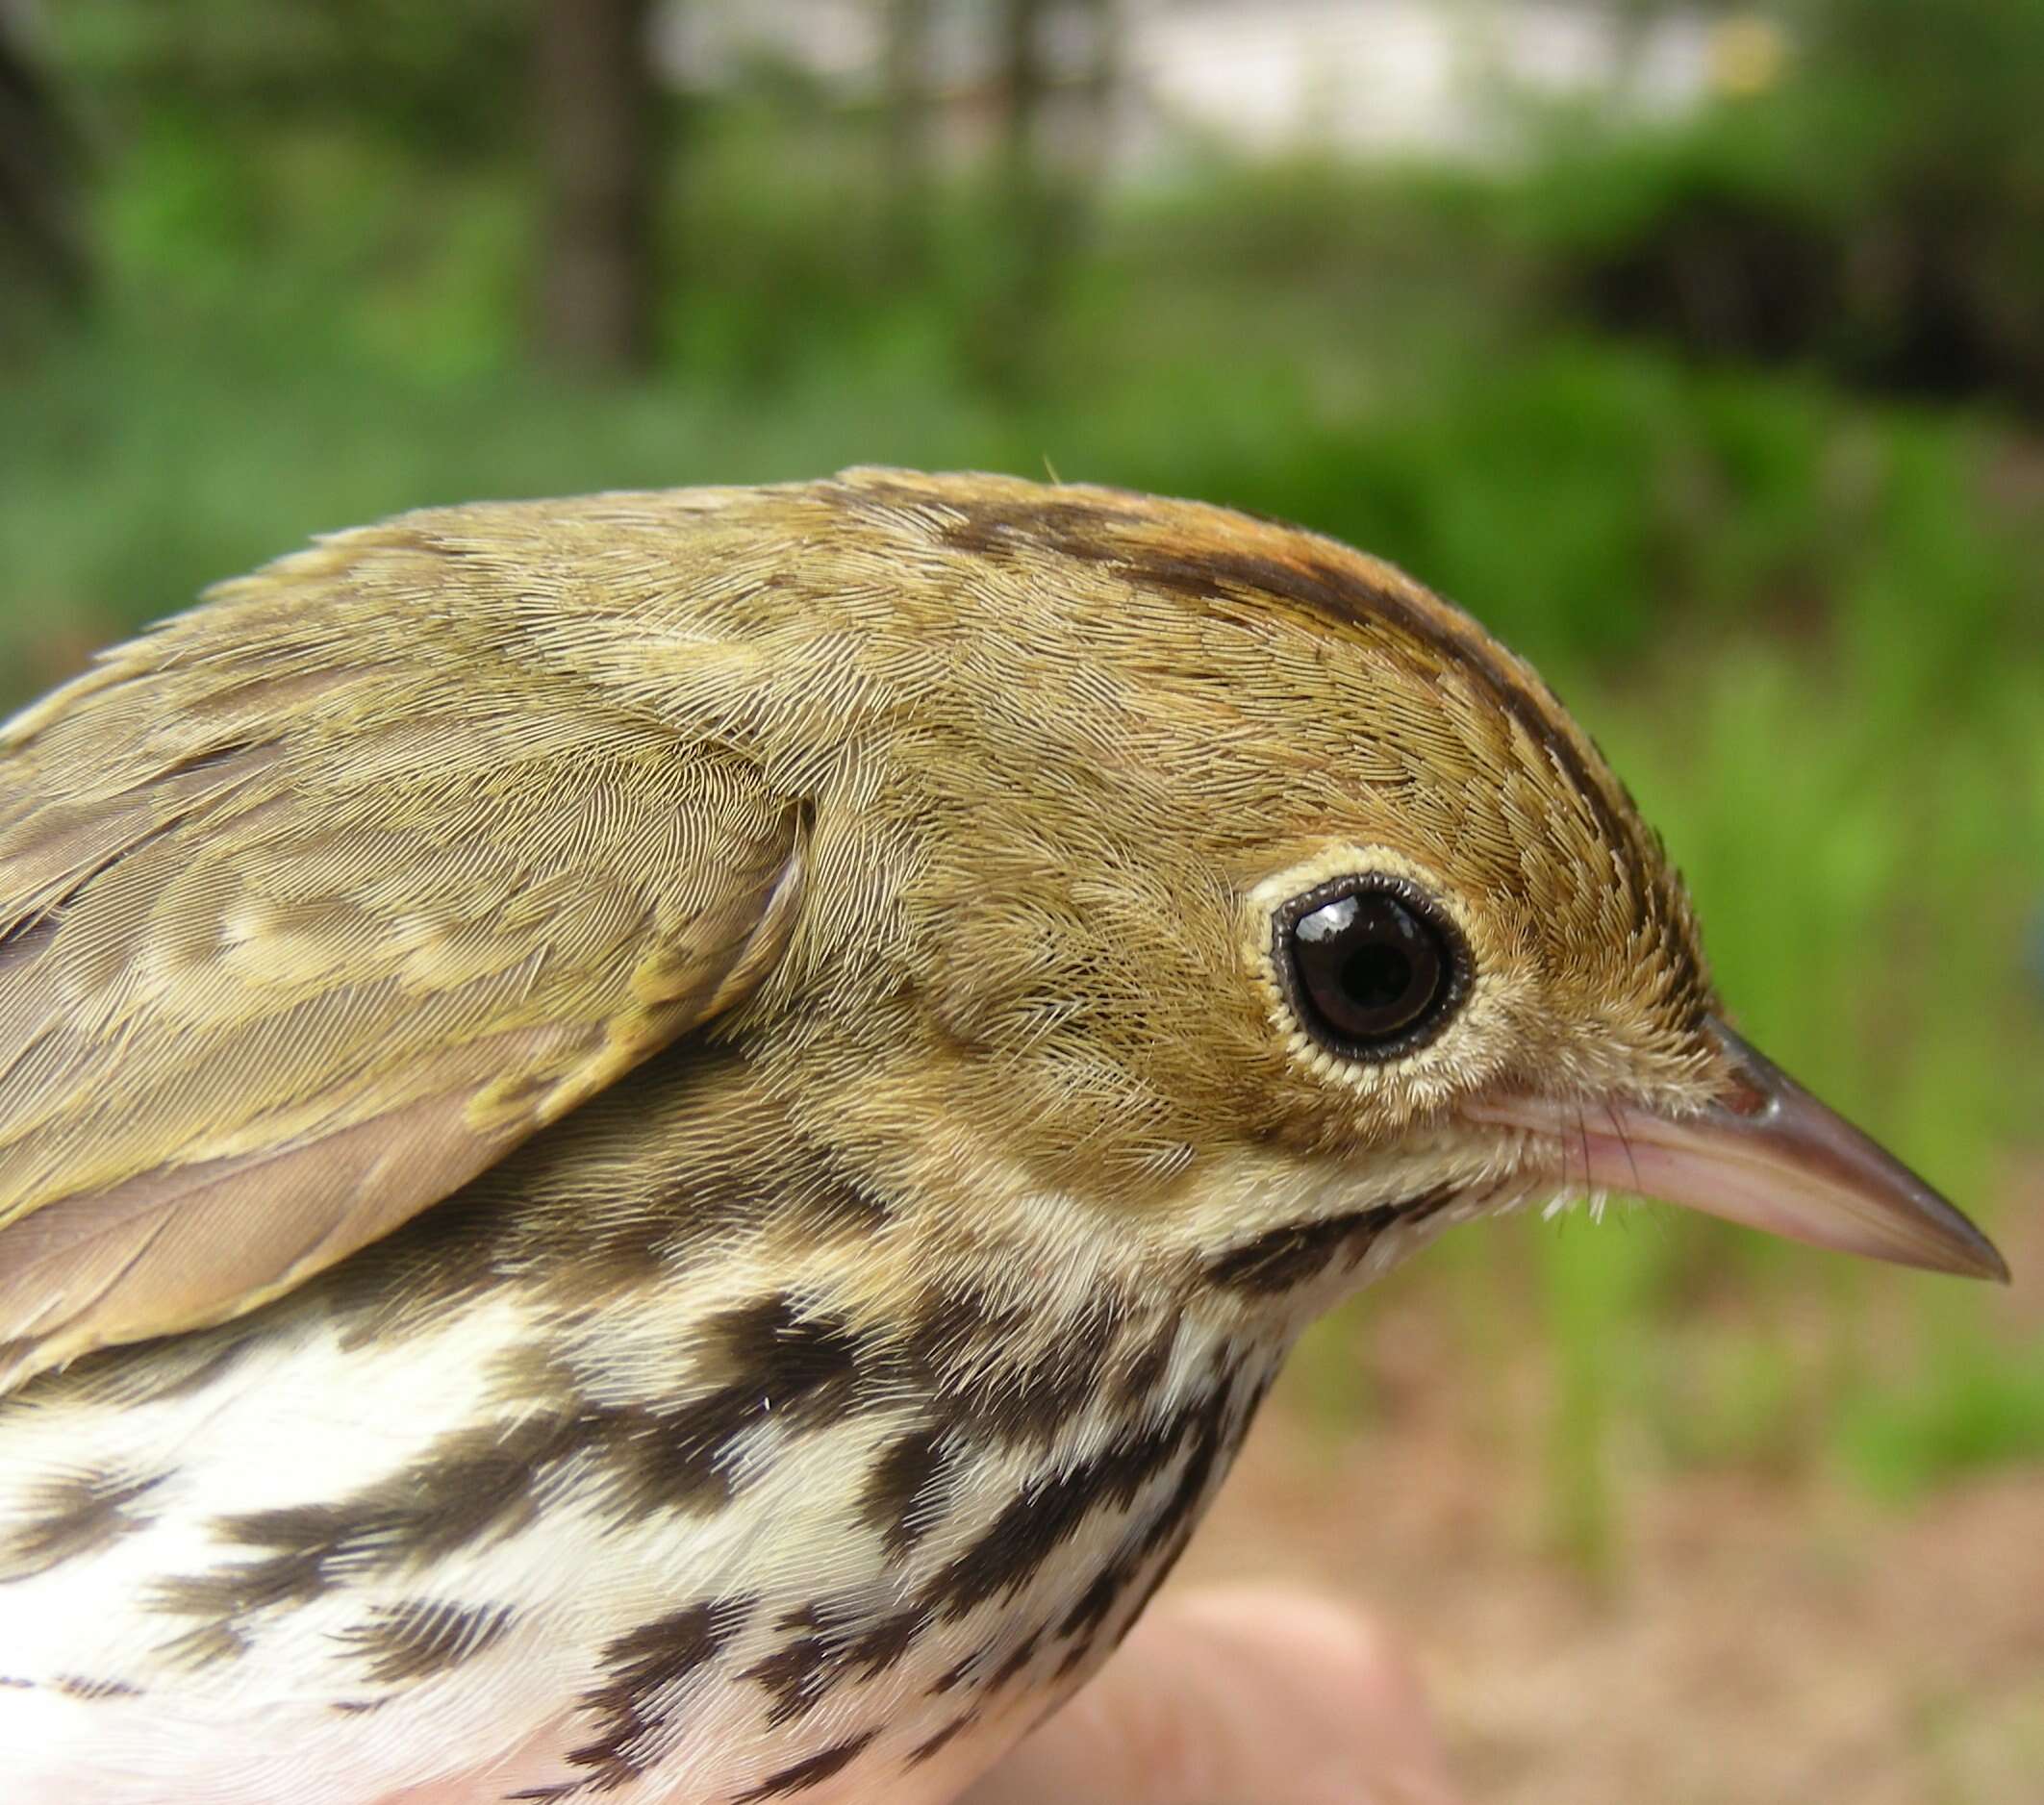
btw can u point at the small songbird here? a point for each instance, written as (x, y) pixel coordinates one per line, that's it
(654, 1148)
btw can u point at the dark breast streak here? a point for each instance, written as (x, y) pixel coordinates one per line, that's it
(1048, 1579)
(1296, 1254)
(1155, 1472)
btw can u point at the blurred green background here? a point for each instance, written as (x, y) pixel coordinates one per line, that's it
(1697, 351)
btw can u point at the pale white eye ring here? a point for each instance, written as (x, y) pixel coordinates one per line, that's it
(1370, 966)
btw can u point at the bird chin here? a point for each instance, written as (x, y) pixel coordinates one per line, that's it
(1765, 1153)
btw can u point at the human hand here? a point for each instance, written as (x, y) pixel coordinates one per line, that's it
(1240, 1698)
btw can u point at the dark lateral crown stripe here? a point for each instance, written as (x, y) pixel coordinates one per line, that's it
(1324, 580)
(1317, 583)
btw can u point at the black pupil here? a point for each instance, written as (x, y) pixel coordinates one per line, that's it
(1371, 966)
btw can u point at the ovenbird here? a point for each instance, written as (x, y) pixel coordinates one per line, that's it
(655, 1147)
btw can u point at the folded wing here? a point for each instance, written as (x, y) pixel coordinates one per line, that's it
(302, 928)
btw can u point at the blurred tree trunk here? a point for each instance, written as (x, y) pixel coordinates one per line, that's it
(38, 179)
(1052, 155)
(906, 107)
(1024, 83)
(1098, 89)
(596, 97)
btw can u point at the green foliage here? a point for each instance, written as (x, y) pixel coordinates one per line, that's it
(440, 79)
(1596, 1288)
(1878, 209)
(1965, 1412)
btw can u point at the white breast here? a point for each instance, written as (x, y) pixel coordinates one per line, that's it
(108, 1697)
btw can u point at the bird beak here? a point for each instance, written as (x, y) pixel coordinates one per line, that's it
(1765, 1153)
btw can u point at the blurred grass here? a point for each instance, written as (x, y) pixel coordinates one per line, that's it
(1809, 628)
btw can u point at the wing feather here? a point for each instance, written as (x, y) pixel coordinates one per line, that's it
(301, 931)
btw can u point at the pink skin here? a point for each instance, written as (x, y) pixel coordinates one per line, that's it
(1221, 1697)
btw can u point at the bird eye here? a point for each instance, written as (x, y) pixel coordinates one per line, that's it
(1370, 965)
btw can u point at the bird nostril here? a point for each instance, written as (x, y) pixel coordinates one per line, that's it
(1754, 1088)
(1745, 1098)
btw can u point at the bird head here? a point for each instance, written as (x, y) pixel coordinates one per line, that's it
(1219, 881)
